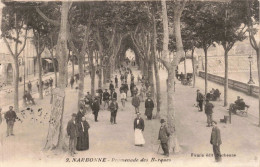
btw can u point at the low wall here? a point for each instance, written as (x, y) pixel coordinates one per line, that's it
(240, 86)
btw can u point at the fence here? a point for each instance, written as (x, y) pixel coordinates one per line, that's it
(251, 90)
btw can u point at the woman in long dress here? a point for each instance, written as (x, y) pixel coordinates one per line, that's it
(139, 128)
(83, 139)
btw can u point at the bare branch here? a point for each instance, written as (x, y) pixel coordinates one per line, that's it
(54, 22)
(8, 46)
(24, 43)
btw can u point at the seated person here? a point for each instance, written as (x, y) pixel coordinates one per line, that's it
(216, 94)
(28, 98)
(238, 105)
(242, 105)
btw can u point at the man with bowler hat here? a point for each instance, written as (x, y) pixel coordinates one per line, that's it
(72, 131)
(164, 137)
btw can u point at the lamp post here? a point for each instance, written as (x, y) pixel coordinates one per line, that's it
(250, 58)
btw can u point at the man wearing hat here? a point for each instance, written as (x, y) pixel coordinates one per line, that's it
(95, 108)
(164, 137)
(199, 99)
(113, 107)
(106, 96)
(113, 94)
(215, 140)
(72, 131)
(10, 117)
(209, 111)
(139, 128)
(149, 105)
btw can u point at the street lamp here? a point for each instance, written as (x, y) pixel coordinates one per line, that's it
(250, 58)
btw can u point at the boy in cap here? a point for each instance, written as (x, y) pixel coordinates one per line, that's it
(164, 137)
(72, 131)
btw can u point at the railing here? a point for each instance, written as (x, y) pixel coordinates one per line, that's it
(251, 90)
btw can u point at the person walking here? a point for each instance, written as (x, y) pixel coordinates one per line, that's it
(111, 87)
(200, 100)
(163, 136)
(215, 140)
(209, 111)
(116, 81)
(83, 138)
(95, 108)
(149, 105)
(106, 96)
(136, 103)
(113, 94)
(72, 131)
(139, 128)
(10, 117)
(123, 98)
(113, 107)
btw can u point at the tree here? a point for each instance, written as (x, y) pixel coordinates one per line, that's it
(14, 29)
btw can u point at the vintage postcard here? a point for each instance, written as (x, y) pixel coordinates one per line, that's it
(130, 83)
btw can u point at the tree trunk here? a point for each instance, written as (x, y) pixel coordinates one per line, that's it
(16, 84)
(185, 67)
(92, 73)
(206, 70)
(73, 67)
(81, 78)
(40, 76)
(226, 79)
(150, 74)
(54, 67)
(193, 68)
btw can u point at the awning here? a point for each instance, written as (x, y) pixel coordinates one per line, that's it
(48, 60)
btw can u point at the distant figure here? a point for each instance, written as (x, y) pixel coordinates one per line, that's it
(215, 140)
(51, 82)
(80, 114)
(136, 103)
(131, 88)
(95, 108)
(123, 97)
(38, 85)
(116, 81)
(111, 86)
(164, 137)
(106, 97)
(27, 97)
(199, 99)
(29, 86)
(72, 82)
(83, 139)
(209, 111)
(139, 128)
(149, 105)
(113, 94)
(72, 131)
(10, 117)
(113, 107)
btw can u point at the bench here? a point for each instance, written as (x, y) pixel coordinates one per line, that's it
(244, 112)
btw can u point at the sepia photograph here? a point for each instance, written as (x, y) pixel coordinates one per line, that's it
(100, 83)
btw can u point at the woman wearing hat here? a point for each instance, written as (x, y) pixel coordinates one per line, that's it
(139, 128)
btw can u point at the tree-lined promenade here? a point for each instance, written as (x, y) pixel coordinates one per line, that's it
(105, 30)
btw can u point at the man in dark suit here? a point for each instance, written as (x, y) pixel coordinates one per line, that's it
(113, 107)
(10, 117)
(113, 94)
(111, 86)
(149, 105)
(139, 128)
(209, 111)
(72, 131)
(200, 100)
(95, 108)
(164, 137)
(215, 140)
(106, 97)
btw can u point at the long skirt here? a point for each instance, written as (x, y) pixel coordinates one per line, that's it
(139, 138)
(83, 142)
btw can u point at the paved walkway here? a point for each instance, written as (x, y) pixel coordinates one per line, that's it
(241, 138)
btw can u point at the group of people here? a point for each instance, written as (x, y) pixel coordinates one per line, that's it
(47, 85)
(213, 95)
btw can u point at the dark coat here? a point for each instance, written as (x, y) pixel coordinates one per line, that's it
(209, 108)
(113, 107)
(114, 95)
(140, 125)
(95, 106)
(199, 96)
(111, 86)
(116, 80)
(163, 134)
(149, 103)
(136, 101)
(10, 116)
(72, 129)
(79, 116)
(106, 96)
(215, 136)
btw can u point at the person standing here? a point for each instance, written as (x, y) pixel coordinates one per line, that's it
(126, 88)
(116, 81)
(38, 85)
(149, 105)
(106, 96)
(10, 117)
(29, 86)
(200, 100)
(215, 140)
(80, 114)
(111, 87)
(83, 138)
(72, 82)
(51, 82)
(132, 85)
(72, 131)
(96, 108)
(164, 137)
(123, 98)
(139, 128)
(113, 94)
(113, 107)
(136, 103)
(209, 111)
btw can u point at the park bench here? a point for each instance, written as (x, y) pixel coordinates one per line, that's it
(244, 112)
